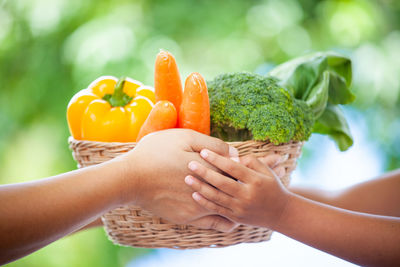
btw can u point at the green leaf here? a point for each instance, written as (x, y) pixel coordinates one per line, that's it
(339, 93)
(321, 79)
(319, 94)
(333, 123)
(300, 74)
(340, 65)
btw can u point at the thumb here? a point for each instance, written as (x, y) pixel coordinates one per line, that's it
(201, 141)
(215, 222)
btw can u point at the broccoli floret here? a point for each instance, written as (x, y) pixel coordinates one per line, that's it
(250, 106)
(304, 120)
(272, 122)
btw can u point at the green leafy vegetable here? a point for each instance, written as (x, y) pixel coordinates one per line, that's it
(296, 98)
(333, 123)
(250, 106)
(322, 80)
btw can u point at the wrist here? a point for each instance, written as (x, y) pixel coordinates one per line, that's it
(285, 210)
(126, 176)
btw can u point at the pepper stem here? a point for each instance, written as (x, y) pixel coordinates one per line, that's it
(118, 98)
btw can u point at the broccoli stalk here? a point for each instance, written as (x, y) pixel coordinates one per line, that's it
(248, 106)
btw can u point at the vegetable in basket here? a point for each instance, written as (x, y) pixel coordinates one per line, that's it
(248, 106)
(194, 111)
(322, 80)
(167, 81)
(192, 104)
(295, 99)
(163, 116)
(109, 110)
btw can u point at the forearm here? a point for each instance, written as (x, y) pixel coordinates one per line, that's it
(316, 194)
(357, 237)
(54, 207)
(378, 196)
(96, 223)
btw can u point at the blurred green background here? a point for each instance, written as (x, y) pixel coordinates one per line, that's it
(50, 49)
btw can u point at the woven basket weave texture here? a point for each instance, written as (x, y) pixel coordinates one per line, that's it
(132, 226)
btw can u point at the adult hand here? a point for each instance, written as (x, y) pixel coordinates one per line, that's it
(36, 213)
(155, 171)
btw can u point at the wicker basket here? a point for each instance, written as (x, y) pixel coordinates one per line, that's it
(132, 226)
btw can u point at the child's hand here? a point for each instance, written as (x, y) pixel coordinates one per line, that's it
(257, 198)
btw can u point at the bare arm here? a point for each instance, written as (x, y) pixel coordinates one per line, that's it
(37, 213)
(260, 199)
(379, 196)
(361, 238)
(96, 223)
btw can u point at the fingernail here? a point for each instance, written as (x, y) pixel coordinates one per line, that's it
(204, 153)
(233, 152)
(192, 165)
(189, 180)
(196, 196)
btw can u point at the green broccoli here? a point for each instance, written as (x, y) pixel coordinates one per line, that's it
(248, 106)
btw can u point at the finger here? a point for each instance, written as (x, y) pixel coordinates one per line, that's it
(201, 141)
(272, 160)
(226, 165)
(253, 163)
(209, 192)
(211, 206)
(223, 183)
(215, 222)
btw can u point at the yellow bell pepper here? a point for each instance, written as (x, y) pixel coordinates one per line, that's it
(110, 110)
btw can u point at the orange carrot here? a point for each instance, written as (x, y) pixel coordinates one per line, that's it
(194, 111)
(167, 82)
(162, 116)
